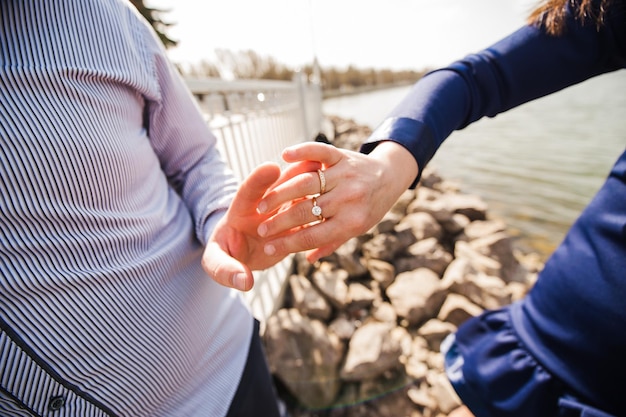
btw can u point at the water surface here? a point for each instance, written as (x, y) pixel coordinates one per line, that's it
(538, 165)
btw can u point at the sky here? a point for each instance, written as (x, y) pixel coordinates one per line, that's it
(394, 34)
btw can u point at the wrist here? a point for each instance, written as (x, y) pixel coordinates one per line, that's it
(401, 168)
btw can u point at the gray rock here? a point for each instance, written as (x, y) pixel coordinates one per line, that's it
(332, 284)
(305, 356)
(383, 246)
(381, 271)
(416, 295)
(456, 309)
(374, 348)
(422, 224)
(427, 253)
(307, 300)
(435, 330)
(359, 296)
(498, 246)
(349, 258)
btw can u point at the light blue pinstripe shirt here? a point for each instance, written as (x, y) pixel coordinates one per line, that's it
(110, 184)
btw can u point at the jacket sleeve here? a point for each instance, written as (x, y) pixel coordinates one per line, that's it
(523, 66)
(186, 147)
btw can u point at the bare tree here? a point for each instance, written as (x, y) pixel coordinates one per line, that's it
(153, 16)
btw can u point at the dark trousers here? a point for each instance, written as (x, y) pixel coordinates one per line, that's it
(256, 395)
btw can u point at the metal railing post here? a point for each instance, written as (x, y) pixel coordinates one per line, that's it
(300, 81)
(253, 121)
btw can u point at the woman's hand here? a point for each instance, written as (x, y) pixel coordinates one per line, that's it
(235, 249)
(359, 190)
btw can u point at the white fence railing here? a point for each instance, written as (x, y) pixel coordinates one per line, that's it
(254, 120)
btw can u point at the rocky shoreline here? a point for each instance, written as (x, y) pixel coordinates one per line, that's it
(359, 332)
(364, 89)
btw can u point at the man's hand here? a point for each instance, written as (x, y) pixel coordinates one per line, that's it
(235, 249)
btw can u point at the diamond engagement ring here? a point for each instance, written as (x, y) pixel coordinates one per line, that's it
(316, 210)
(320, 173)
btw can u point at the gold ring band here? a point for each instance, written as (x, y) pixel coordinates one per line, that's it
(320, 173)
(316, 210)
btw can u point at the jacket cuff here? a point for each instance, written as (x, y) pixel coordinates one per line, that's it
(414, 135)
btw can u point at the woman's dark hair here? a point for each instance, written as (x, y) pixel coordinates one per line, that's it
(551, 14)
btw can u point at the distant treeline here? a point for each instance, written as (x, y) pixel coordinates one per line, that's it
(251, 65)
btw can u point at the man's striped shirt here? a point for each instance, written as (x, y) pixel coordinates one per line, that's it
(110, 184)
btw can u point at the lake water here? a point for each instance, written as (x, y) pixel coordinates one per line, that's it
(537, 166)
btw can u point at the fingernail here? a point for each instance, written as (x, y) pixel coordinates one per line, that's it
(269, 250)
(239, 281)
(262, 207)
(262, 230)
(287, 152)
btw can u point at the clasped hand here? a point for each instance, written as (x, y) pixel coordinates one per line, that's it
(324, 197)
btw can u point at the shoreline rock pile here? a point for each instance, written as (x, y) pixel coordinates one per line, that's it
(359, 332)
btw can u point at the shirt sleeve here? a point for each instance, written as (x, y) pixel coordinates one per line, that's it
(523, 66)
(186, 148)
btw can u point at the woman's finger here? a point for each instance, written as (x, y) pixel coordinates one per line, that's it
(301, 212)
(307, 238)
(301, 177)
(294, 169)
(327, 155)
(305, 184)
(297, 180)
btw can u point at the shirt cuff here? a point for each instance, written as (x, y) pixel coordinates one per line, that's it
(414, 135)
(211, 222)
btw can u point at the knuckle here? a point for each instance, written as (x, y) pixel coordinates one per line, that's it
(360, 220)
(304, 212)
(310, 240)
(358, 191)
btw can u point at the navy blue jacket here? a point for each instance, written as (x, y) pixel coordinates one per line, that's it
(574, 319)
